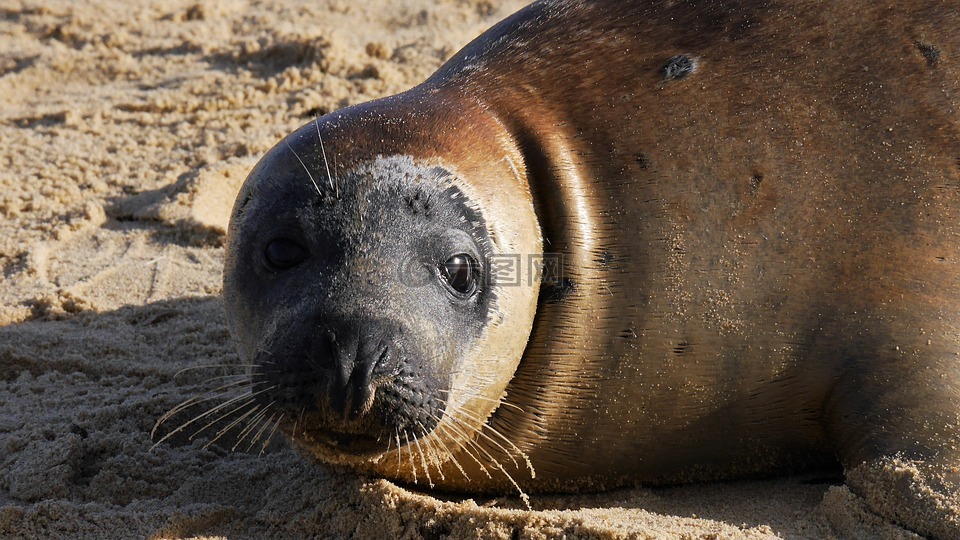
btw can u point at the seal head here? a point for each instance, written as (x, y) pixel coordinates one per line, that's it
(385, 287)
(362, 296)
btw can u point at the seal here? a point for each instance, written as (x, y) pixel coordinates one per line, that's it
(619, 242)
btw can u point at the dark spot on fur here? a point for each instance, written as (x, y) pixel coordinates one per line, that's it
(555, 292)
(681, 348)
(643, 160)
(246, 200)
(418, 203)
(605, 258)
(628, 333)
(755, 182)
(679, 67)
(929, 51)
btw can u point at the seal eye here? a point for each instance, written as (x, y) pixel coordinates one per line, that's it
(460, 273)
(283, 253)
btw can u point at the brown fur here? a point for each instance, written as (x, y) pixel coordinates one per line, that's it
(761, 258)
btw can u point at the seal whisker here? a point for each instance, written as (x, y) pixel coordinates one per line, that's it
(326, 164)
(495, 431)
(240, 377)
(413, 466)
(210, 395)
(433, 455)
(453, 458)
(461, 443)
(475, 384)
(485, 436)
(458, 438)
(230, 426)
(219, 407)
(217, 383)
(252, 423)
(293, 435)
(257, 423)
(303, 410)
(496, 463)
(266, 443)
(474, 443)
(263, 427)
(305, 169)
(195, 400)
(396, 432)
(335, 170)
(423, 460)
(228, 412)
(499, 402)
(192, 402)
(211, 366)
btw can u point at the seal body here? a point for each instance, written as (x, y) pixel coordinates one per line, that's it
(702, 240)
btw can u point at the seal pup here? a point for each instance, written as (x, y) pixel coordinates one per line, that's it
(618, 242)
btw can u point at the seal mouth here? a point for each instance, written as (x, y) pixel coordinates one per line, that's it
(371, 435)
(347, 443)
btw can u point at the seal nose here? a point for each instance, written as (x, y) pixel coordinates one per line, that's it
(358, 356)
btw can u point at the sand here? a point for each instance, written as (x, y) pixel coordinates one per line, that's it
(124, 135)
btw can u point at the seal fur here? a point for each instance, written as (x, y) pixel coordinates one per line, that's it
(756, 208)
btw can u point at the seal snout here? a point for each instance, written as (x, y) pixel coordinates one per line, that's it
(352, 383)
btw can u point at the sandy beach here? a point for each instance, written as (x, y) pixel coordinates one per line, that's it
(125, 133)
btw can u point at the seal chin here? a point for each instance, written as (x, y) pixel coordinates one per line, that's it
(353, 444)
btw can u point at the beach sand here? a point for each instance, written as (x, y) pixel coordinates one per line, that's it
(124, 135)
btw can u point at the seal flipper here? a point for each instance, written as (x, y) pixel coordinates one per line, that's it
(907, 471)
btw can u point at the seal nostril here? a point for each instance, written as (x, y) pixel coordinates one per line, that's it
(323, 350)
(340, 353)
(386, 366)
